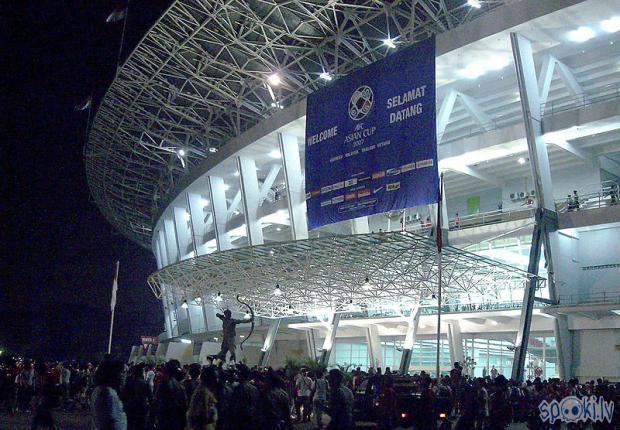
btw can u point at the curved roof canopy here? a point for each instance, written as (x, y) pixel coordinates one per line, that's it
(340, 273)
(200, 77)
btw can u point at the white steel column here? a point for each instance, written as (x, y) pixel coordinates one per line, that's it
(412, 331)
(330, 337)
(374, 347)
(546, 218)
(293, 176)
(172, 247)
(220, 212)
(201, 218)
(311, 343)
(455, 340)
(270, 339)
(447, 106)
(251, 199)
(162, 248)
(182, 229)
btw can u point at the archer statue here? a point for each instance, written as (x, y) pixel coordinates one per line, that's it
(229, 333)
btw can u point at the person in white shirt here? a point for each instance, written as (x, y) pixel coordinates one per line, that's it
(303, 388)
(149, 377)
(319, 387)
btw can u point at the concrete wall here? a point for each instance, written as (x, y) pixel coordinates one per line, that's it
(599, 247)
(596, 354)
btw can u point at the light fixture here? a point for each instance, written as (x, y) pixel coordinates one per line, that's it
(218, 298)
(582, 34)
(277, 291)
(186, 341)
(521, 160)
(275, 154)
(474, 3)
(204, 203)
(198, 299)
(213, 149)
(181, 152)
(389, 42)
(274, 104)
(247, 316)
(472, 71)
(278, 229)
(236, 174)
(611, 25)
(274, 79)
(226, 187)
(493, 322)
(185, 305)
(325, 76)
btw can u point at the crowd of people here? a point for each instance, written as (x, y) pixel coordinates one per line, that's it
(213, 397)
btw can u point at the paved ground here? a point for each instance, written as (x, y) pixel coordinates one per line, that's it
(81, 421)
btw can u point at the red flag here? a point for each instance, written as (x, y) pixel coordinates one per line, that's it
(84, 104)
(118, 14)
(439, 202)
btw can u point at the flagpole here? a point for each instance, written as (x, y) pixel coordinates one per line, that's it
(120, 49)
(438, 235)
(113, 306)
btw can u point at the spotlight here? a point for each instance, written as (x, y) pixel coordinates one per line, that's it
(218, 298)
(521, 160)
(186, 341)
(185, 305)
(198, 299)
(212, 149)
(247, 316)
(325, 76)
(274, 79)
(474, 3)
(275, 153)
(277, 291)
(181, 152)
(389, 43)
(611, 25)
(236, 174)
(582, 34)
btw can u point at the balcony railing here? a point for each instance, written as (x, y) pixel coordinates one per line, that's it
(590, 298)
(606, 93)
(594, 196)
(491, 217)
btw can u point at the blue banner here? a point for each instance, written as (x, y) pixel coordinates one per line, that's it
(371, 140)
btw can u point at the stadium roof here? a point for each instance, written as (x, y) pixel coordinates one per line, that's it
(200, 77)
(340, 273)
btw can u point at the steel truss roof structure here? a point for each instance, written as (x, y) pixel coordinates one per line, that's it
(332, 272)
(198, 79)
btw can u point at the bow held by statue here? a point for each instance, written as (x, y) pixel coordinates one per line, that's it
(251, 320)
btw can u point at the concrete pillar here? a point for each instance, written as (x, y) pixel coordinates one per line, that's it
(251, 199)
(412, 331)
(360, 225)
(330, 338)
(293, 177)
(270, 340)
(217, 191)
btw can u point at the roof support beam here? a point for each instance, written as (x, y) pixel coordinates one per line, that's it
(475, 173)
(447, 106)
(475, 111)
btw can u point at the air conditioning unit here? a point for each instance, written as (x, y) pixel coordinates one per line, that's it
(513, 196)
(533, 193)
(522, 195)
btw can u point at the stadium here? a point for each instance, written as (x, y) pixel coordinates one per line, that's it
(197, 152)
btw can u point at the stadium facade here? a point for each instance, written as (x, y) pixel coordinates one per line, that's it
(197, 153)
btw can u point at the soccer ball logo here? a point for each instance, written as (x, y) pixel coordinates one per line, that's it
(360, 103)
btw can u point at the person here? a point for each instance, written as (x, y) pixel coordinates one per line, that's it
(484, 372)
(243, 402)
(65, 378)
(340, 405)
(229, 335)
(137, 397)
(387, 404)
(319, 387)
(493, 373)
(202, 410)
(303, 388)
(457, 221)
(276, 404)
(150, 377)
(500, 410)
(106, 405)
(576, 203)
(469, 409)
(570, 205)
(192, 380)
(45, 398)
(170, 400)
(24, 384)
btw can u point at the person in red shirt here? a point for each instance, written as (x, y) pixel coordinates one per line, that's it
(388, 404)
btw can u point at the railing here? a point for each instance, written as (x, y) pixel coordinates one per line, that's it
(590, 298)
(593, 198)
(608, 92)
(491, 217)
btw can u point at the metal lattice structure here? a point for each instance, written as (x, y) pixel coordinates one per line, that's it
(341, 273)
(199, 78)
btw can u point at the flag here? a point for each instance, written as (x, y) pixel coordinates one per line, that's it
(84, 104)
(439, 201)
(114, 288)
(118, 14)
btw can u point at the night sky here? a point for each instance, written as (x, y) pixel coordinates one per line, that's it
(58, 250)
